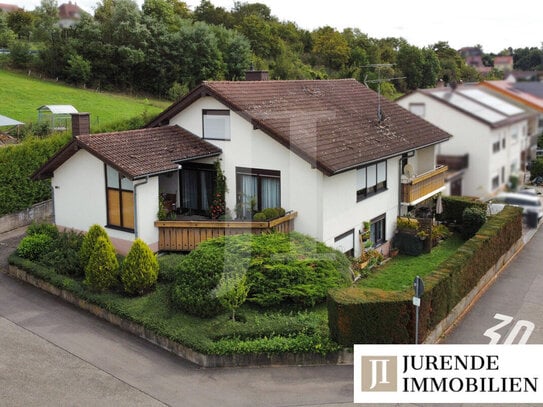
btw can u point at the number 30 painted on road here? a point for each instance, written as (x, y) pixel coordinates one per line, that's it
(506, 319)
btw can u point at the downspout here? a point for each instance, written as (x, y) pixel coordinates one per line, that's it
(400, 186)
(136, 205)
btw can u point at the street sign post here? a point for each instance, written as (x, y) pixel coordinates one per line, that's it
(418, 285)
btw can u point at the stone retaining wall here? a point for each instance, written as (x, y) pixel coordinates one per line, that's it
(39, 212)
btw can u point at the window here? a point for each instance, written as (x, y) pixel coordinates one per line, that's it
(496, 182)
(496, 147)
(370, 180)
(216, 124)
(503, 143)
(418, 109)
(345, 243)
(197, 187)
(120, 200)
(378, 230)
(257, 189)
(503, 175)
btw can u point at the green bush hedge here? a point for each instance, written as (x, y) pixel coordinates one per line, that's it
(33, 247)
(363, 315)
(17, 164)
(454, 206)
(139, 271)
(280, 268)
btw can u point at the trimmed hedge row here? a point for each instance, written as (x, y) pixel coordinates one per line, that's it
(454, 206)
(362, 315)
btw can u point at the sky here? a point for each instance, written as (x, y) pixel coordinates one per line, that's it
(461, 23)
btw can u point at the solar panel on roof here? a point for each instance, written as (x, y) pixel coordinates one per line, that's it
(470, 106)
(492, 101)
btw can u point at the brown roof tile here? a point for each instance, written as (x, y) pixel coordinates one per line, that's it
(331, 123)
(137, 153)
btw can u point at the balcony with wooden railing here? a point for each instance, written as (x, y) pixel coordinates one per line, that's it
(186, 235)
(423, 185)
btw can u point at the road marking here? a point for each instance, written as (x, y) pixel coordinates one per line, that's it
(515, 331)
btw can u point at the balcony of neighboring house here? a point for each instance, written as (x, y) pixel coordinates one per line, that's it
(418, 187)
(185, 235)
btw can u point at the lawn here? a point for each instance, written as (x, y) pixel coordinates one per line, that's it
(398, 273)
(21, 96)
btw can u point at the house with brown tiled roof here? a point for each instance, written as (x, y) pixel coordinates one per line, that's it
(8, 8)
(332, 153)
(69, 14)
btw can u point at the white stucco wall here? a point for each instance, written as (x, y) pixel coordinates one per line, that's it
(79, 192)
(473, 137)
(146, 197)
(342, 212)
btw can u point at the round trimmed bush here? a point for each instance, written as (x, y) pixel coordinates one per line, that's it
(259, 217)
(43, 228)
(140, 269)
(33, 247)
(271, 213)
(102, 270)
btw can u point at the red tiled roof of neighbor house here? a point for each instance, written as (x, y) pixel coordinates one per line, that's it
(136, 153)
(69, 10)
(332, 124)
(8, 8)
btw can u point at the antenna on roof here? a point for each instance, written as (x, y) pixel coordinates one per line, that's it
(378, 81)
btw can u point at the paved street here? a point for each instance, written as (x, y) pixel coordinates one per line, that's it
(515, 296)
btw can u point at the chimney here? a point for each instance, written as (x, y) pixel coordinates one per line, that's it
(80, 124)
(256, 75)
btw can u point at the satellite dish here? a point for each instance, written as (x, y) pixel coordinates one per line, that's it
(408, 170)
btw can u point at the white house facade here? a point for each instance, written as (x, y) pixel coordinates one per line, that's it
(491, 132)
(323, 156)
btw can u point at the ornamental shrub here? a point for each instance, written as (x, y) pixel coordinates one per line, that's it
(140, 269)
(33, 247)
(472, 220)
(89, 241)
(64, 254)
(102, 269)
(271, 213)
(43, 228)
(259, 217)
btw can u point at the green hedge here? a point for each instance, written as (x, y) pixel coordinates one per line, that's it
(363, 315)
(454, 206)
(17, 164)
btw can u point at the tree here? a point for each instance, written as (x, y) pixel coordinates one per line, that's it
(235, 50)
(430, 68)
(21, 23)
(232, 292)
(330, 47)
(6, 33)
(208, 13)
(102, 270)
(78, 70)
(411, 63)
(46, 20)
(140, 269)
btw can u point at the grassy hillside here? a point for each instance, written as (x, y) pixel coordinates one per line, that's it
(21, 96)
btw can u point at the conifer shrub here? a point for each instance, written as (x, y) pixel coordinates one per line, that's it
(101, 272)
(140, 269)
(89, 241)
(64, 254)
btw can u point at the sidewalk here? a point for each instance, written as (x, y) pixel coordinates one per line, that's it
(8, 243)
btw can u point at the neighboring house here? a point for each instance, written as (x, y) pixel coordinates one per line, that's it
(529, 95)
(503, 63)
(488, 135)
(69, 14)
(8, 8)
(313, 147)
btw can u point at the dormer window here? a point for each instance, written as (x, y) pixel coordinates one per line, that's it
(216, 124)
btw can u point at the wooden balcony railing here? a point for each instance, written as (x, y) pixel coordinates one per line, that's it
(184, 235)
(423, 184)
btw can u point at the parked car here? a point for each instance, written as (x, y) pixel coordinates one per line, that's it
(529, 203)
